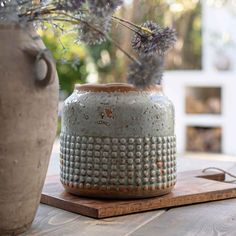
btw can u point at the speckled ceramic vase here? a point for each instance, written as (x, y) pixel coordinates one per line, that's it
(118, 142)
(28, 122)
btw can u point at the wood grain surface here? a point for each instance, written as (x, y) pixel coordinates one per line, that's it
(189, 189)
(51, 221)
(209, 219)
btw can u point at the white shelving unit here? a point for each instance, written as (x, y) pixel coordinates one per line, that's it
(175, 84)
(216, 21)
(203, 120)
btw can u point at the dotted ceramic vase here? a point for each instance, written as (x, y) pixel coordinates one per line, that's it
(118, 142)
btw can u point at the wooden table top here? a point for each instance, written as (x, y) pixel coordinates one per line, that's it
(215, 218)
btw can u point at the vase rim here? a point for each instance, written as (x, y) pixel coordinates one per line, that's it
(115, 87)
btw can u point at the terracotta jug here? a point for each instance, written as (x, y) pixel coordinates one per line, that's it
(28, 121)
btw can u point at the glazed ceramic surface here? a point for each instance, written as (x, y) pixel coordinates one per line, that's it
(118, 142)
(28, 121)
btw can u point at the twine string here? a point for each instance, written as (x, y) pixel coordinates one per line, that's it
(223, 171)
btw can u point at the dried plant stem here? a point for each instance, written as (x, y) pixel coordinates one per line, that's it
(57, 19)
(75, 21)
(108, 37)
(126, 21)
(132, 24)
(128, 27)
(121, 49)
(39, 10)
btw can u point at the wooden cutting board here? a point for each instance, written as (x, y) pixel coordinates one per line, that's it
(192, 187)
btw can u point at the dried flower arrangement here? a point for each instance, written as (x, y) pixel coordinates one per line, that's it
(91, 20)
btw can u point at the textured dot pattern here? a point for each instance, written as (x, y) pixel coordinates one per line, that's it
(92, 162)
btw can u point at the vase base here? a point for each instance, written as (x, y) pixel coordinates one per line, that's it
(121, 193)
(13, 232)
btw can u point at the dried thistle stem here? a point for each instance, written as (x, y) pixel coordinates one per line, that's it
(121, 49)
(75, 21)
(132, 24)
(128, 27)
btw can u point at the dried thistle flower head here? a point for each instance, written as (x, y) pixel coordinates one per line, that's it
(93, 30)
(153, 39)
(8, 11)
(148, 72)
(70, 5)
(103, 7)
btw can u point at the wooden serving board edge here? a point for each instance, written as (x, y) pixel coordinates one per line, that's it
(141, 205)
(176, 202)
(105, 212)
(74, 207)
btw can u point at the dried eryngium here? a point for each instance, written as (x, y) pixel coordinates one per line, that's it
(8, 11)
(93, 30)
(149, 72)
(152, 38)
(70, 5)
(103, 7)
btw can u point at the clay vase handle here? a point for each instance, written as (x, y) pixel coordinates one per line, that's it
(46, 57)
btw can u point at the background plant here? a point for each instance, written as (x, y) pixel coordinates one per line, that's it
(90, 21)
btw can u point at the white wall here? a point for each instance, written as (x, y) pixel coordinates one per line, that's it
(219, 33)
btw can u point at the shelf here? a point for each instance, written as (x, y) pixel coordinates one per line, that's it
(203, 100)
(204, 139)
(175, 84)
(204, 120)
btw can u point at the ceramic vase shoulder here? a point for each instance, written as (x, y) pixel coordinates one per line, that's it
(118, 142)
(28, 120)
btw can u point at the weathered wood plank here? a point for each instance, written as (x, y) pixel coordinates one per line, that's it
(55, 222)
(216, 218)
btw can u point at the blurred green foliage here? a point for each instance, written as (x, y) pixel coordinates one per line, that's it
(109, 66)
(71, 58)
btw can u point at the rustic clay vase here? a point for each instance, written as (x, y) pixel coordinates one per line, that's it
(28, 121)
(118, 142)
